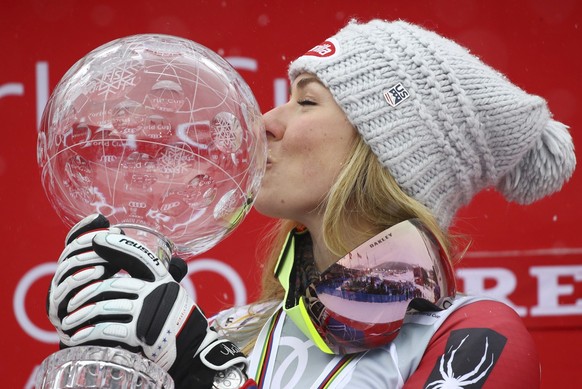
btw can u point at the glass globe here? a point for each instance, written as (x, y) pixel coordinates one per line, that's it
(157, 133)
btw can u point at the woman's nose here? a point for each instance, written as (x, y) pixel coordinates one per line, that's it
(274, 123)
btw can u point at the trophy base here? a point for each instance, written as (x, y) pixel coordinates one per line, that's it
(100, 367)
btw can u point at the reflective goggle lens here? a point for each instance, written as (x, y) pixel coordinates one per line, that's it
(360, 301)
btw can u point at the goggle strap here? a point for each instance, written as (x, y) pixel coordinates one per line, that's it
(284, 263)
(301, 318)
(298, 313)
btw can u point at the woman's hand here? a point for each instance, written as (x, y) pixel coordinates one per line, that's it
(145, 310)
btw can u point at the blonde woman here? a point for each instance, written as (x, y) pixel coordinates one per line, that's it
(388, 131)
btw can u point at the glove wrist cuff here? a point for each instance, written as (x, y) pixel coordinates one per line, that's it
(221, 355)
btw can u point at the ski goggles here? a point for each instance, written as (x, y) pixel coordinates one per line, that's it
(360, 301)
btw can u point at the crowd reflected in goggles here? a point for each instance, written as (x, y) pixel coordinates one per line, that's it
(360, 302)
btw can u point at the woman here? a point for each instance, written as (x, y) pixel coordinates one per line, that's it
(389, 130)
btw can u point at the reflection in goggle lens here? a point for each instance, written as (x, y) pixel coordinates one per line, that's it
(360, 301)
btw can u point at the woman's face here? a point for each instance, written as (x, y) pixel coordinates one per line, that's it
(309, 139)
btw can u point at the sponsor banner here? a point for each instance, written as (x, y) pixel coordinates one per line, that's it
(529, 257)
(543, 286)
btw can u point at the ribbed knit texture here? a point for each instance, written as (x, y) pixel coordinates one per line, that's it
(463, 128)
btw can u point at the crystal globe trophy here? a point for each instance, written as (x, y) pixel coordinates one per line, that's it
(164, 138)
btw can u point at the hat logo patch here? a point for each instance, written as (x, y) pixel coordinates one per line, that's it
(324, 50)
(396, 95)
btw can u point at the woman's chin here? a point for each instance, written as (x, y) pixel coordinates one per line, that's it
(267, 207)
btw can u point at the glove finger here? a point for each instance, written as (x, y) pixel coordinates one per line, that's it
(121, 310)
(178, 268)
(108, 334)
(94, 221)
(77, 263)
(130, 255)
(71, 276)
(60, 295)
(83, 243)
(151, 304)
(103, 291)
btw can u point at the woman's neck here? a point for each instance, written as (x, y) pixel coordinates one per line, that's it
(322, 255)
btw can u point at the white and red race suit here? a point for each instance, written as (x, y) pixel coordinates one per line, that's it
(475, 343)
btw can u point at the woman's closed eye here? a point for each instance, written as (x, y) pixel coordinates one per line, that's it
(305, 102)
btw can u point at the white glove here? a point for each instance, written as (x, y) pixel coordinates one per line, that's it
(77, 267)
(144, 311)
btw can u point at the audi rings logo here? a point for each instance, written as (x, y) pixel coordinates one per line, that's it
(137, 204)
(48, 269)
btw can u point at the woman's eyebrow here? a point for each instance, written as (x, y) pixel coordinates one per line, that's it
(306, 81)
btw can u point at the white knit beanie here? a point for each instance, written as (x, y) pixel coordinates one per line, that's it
(442, 122)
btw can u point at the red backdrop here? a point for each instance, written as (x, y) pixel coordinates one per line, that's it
(529, 256)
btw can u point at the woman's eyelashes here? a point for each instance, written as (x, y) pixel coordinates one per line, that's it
(305, 102)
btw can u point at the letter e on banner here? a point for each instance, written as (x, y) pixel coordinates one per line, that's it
(551, 289)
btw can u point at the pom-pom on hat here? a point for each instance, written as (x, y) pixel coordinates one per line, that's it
(442, 122)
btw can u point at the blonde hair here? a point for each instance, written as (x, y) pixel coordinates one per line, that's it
(365, 194)
(366, 191)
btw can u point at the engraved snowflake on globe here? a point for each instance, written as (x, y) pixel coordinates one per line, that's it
(156, 131)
